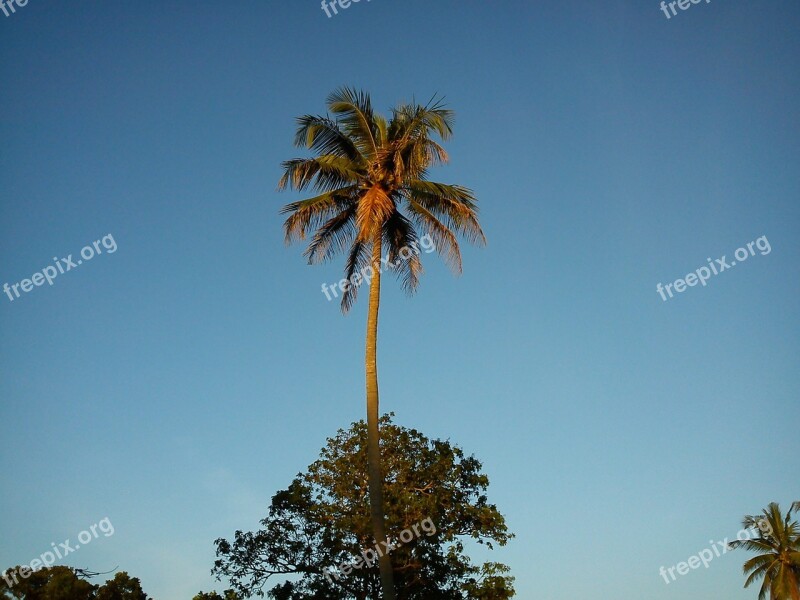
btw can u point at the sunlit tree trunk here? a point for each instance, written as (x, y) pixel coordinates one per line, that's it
(794, 584)
(373, 414)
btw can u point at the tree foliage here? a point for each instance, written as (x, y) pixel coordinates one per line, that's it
(322, 520)
(229, 595)
(370, 177)
(777, 544)
(66, 583)
(121, 587)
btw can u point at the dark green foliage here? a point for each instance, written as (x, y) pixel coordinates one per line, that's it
(322, 520)
(229, 595)
(65, 583)
(777, 544)
(121, 587)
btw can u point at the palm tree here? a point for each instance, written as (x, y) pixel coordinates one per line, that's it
(778, 545)
(370, 177)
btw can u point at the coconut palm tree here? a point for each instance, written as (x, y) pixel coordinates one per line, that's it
(777, 543)
(373, 193)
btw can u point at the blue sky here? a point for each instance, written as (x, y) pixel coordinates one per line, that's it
(174, 385)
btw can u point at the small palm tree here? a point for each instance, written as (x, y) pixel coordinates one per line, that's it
(778, 545)
(370, 176)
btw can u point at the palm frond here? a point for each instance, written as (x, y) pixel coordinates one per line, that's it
(444, 240)
(324, 136)
(454, 204)
(381, 127)
(759, 565)
(754, 545)
(403, 250)
(357, 262)
(765, 589)
(332, 237)
(356, 118)
(311, 213)
(411, 120)
(326, 172)
(413, 159)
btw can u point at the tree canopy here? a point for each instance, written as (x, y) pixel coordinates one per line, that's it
(229, 595)
(370, 174)
(322, 521)
(777, 544)
(66, 583)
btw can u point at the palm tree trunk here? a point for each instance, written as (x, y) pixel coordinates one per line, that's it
(373, 414)
(795, 585)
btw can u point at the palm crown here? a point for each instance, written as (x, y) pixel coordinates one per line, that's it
(371, 180)
(778, 548)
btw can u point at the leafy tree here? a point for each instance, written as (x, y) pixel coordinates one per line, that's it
(777, 543)
(370, 176)
(323, 520)
(68, 583)
(52, 583)
(229, 595)
(122, 587)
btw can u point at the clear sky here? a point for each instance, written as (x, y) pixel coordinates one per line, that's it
(174, 385)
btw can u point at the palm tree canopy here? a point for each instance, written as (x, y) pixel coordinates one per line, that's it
(777, 545)
(371, 185)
